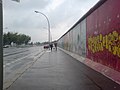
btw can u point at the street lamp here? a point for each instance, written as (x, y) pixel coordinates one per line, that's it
(48, 25)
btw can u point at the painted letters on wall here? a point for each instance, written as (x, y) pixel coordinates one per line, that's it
(103, 34)
(97, 37)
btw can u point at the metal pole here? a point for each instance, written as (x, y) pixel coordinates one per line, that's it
(1, 46)
(48, 25)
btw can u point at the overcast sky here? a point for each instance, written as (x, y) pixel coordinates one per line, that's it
(62, 14)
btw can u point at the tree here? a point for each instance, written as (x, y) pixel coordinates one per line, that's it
(19, 39)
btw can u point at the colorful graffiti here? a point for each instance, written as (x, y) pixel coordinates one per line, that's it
(111, 42)
(76, 34)
(97, 36)
(103, 35)
(75, 40)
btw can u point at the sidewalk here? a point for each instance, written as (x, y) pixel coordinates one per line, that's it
(58, 71)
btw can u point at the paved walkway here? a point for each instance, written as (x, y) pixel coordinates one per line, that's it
(58, 71)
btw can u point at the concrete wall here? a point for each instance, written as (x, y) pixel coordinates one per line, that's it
(97, 36)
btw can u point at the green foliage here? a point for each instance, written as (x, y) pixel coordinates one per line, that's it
(19, 39)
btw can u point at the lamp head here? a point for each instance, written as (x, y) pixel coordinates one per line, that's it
(36, 12)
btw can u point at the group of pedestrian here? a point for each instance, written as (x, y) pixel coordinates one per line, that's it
(51, 46)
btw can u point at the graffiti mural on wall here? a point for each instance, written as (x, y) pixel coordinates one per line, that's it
(71, 41)
(66, 42)
(103, 35)
(75, 40)
(76, 35)
(111, 42)
(97, 36)
(82, 41)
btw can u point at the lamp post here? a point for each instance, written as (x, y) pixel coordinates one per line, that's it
(48, 25)
(1, 46)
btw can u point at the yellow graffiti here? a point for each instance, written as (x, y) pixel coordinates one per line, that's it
(110, 42)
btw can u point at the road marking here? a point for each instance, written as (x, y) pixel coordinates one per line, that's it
(9, 54)
(15, 61)
(8, 82)
(48, 51)
(18, 59)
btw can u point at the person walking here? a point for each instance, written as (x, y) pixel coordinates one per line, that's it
(55, 44)
(51, 46)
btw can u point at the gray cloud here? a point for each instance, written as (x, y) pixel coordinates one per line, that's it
(20, 17)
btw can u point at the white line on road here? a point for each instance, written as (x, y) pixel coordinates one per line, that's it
(17, 60)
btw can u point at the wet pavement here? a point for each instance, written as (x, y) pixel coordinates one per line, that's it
(58, 71)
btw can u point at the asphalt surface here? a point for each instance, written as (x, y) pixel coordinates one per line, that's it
(17, 60)
(12, 54)
(58, 71)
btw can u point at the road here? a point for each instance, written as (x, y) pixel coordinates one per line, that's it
(57, 70)
(17, 60)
